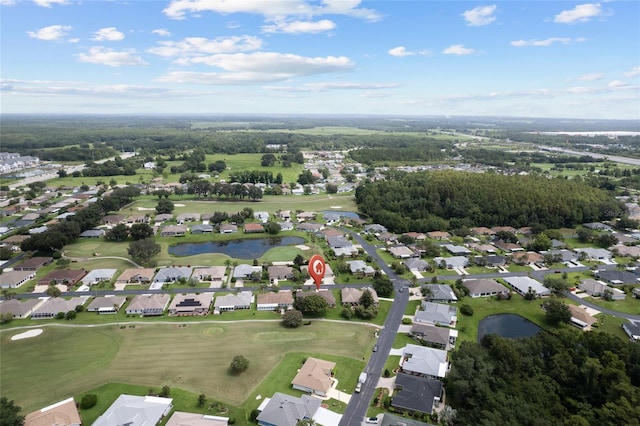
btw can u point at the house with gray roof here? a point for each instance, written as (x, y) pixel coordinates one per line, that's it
(244, 271)
(632, 328)
(600, 254)
(416, 264)
(92, 233)
(231, 302)
(129, 410)
(309, 227)
(457, 250)
(174, 231)
(416, 394)
(19, 309)
(452, 262)
(52, 306)
(437, 313)
(286, 410)
(423, 361)
(106, 304)
(360, 268)
(374, 228)
(172, 274)
(617, 277)
(593, 288)
(148, 305)
(562, 255)
(188, 217)
(228, 228)
(163, 217)
(441, 293)
(597, 226)
(484, 287)
(201, 229)
(522, 285)
(97, 275)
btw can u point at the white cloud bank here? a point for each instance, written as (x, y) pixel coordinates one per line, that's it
(580, 13)
(108, 34)
(113, 58)
(548, 41)
(50, 33)
(458, 49)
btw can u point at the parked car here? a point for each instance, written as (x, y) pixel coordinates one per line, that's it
(375, 348)
(372, 420)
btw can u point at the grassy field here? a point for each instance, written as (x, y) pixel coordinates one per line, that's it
(69, 361)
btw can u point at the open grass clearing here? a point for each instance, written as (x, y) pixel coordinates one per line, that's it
(69, 361)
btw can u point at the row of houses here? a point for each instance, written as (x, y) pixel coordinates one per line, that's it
(187, 304)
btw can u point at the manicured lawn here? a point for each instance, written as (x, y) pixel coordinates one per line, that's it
(403, 339)
(71, 361)
(392, 363)
(412, 306)
(629, 305)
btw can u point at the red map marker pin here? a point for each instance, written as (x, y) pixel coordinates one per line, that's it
(317, 269)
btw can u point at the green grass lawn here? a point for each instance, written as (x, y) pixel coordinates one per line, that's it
(629, 305)
(71, 361)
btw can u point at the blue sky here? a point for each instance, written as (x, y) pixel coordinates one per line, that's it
(509, 58)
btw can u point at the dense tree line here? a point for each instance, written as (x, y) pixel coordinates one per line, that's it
(425, 151)
(568, 378)
(256, 176)
(449, 199)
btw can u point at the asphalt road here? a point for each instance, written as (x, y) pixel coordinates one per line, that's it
(357, 409)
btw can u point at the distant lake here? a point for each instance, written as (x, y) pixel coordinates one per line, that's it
(238, 249)
(507, 325)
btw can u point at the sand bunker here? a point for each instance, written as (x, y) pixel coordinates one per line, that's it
(179, 205)
(27, 334)
(302, 247)
(145, 208)
(336, 207)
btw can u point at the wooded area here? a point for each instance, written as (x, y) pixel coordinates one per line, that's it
(568, 378)
(439, 200)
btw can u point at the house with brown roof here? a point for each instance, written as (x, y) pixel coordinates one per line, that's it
(251, 228)
(507, 247)
(402, 252)
(136, 276)
(273, 301)
(439, 235)
(181, 418)
(581, 318)
(325, 294)
(163, 217)
(188, 217)
(68, 277)
(209, 273)
(112, 219)
(418, 236)
(279, 273)
(63, 413)
(19, 309)
(137, 218)
(191, 304)
(351, 296)
(315, 376)
(14, 279)
(231, 302)
(433, 336)
(527, 258)
(148, 305)
(33, 263)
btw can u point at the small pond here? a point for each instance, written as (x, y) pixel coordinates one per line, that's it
(238, 249)
(507, 325)
(351, 215)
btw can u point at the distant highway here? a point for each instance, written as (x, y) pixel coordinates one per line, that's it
(614, 158)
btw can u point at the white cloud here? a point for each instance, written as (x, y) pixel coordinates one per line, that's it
(591, 77)
(193, 46)
(481, 15)
(48, 3)
(580, 13)
(242, 68)
(161, 32)
(108, 34)
(401, 51)
(323, 87)
(617, 84)
(457, 49)
(178, 9)
(7, 2)
(299, 27)
(634, 72)
(50, 33)
(548, 42)
(110, 57)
